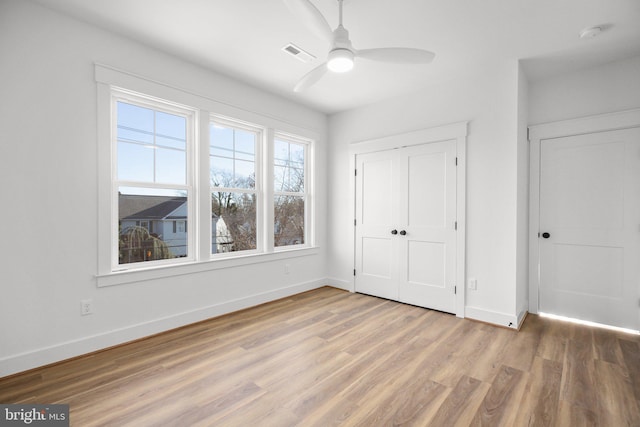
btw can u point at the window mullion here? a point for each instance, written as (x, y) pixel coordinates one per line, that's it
(205, 230)
(269, 191)
(155, 146)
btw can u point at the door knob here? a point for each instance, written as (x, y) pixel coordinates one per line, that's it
(403, 233)
(394, 232)
(546, 235)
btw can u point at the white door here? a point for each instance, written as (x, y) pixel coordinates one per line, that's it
(376, 216)
(590, 227)
(405, 225)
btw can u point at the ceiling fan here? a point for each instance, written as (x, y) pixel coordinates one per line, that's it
(342, 53)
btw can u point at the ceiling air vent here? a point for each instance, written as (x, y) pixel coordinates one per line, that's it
(298, 53)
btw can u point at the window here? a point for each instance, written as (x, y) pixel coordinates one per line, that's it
(234, 175)
(182, 186)
(152, 168)
(290, 191)
(179, 227)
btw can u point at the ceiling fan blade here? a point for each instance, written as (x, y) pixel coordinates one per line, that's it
(311, 78)
(310, 16)
(397, 55)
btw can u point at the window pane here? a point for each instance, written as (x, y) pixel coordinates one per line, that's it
(233, 222)
(296, 179)
(135, 162)
(221, 136)
(221, 172)
(141, 133)
(280, 176)
(288, 166)
(171, 166)
(171, 130)
(245, 142)
(245, 174)
(297, 154)
(138, 120)
(233, 155)
(288, 220)
(281, 152)
(145, 222)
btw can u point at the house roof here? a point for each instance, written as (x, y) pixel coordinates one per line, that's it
(138, 207)
(131, 205)
(162, 210)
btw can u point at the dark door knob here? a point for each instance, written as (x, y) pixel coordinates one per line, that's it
(546, 235)
(403, 233)
(394, 232)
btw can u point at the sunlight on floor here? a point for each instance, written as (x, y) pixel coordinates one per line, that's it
(587, 323)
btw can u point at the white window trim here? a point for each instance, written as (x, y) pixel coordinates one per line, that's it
(262, 141)
(308, 194)
(191, 114)
(107, 78)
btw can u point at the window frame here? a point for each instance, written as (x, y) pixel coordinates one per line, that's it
(155, 104)
(307, 194)
(108, 80)
(258, 190)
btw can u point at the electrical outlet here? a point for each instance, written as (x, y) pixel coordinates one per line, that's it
(286, 269)
(86, 307)
(473, 284)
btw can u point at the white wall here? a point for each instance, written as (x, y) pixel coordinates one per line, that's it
(605, 89)
(488, 100)
(48, 161)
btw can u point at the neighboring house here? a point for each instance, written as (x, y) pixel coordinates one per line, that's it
(166, 218)
(222, 241)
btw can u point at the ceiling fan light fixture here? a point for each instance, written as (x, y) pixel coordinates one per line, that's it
(340, 60)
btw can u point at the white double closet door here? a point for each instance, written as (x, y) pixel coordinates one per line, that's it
(406, 225)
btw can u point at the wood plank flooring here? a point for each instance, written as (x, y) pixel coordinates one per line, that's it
(329, 357)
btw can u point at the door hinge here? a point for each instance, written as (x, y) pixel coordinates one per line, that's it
(354, 222)
(528, 139)
(455, 225)
(455, 290)
(456, 161)
(354, 271)
(355, 172)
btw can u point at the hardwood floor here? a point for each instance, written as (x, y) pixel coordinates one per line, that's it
(328, 357)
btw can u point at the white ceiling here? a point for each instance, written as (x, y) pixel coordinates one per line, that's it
(243, 39)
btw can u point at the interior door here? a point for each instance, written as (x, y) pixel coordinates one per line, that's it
(589, 227)
(376, 214)
(427, 251)
(405, 224)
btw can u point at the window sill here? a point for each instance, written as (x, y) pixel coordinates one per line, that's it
(160, 272)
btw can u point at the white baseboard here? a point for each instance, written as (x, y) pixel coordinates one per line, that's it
(494, 317)
(340, 284)
(44, 356)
